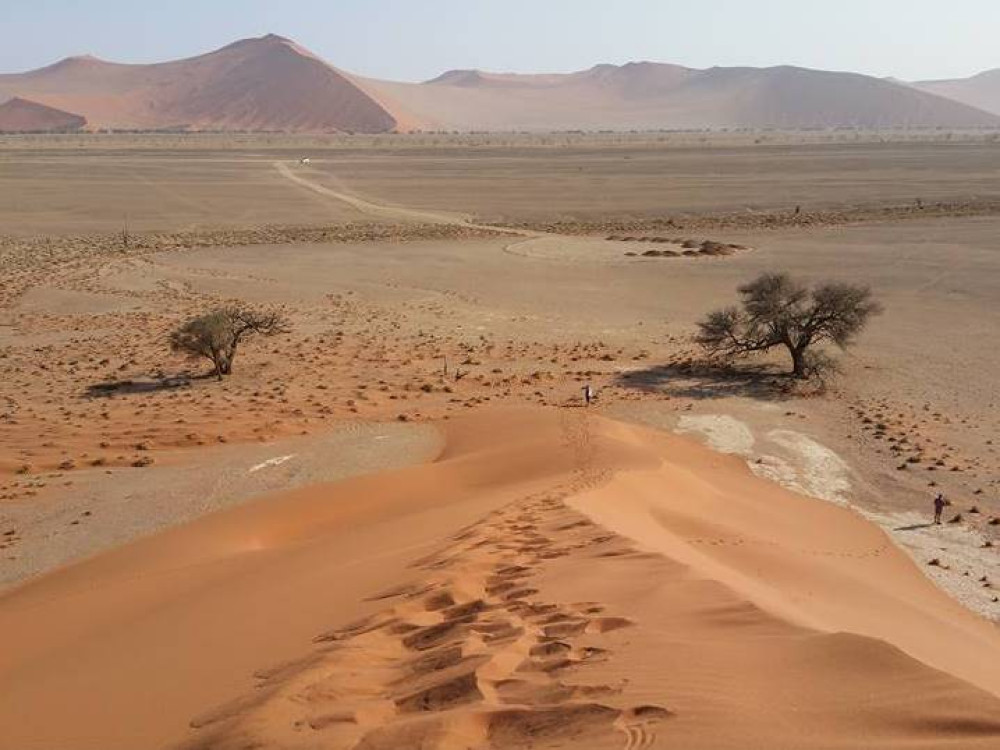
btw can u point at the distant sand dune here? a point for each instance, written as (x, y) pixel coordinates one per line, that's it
(652, 96)
(981, 91)
(23, 116)
(267, 84)
(272, 84)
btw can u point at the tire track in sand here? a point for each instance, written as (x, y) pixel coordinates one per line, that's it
(402, 213)
(393, 212)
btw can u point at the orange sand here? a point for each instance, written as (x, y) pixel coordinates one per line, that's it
(505, 605)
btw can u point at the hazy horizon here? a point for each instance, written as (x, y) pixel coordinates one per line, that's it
(395, 40)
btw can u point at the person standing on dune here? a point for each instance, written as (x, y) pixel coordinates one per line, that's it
(939, 505)
(588, 394)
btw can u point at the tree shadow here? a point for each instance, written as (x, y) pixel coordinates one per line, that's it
(132, 386)
(710, 380)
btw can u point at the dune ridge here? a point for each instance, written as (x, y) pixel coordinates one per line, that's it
(649, 95)
(598, 583)
(273, 84)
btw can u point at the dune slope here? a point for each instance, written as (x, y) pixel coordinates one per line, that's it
(552, 578)
(981, 91)
(23, 116)
(265, 84)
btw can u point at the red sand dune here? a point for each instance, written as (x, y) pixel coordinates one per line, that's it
(266, 84)
(272, 84)
(719, 611)
(649, 95)
(22, 116)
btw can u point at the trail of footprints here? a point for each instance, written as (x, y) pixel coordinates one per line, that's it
(471, 657)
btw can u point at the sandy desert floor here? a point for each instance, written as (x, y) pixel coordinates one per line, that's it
(65, 185)
(414, 452)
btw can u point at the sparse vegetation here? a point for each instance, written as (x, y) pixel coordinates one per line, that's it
(777, 310)
(216, 335)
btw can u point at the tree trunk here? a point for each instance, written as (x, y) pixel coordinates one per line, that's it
(223, 361)
(799, 369)
(223, 364)
(216, 358)
(227, 360)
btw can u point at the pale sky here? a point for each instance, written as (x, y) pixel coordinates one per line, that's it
(418, 39)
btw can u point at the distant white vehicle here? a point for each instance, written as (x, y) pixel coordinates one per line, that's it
(304, 160)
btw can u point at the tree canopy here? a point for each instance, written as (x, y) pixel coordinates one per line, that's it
(777, 310)
(216, 335)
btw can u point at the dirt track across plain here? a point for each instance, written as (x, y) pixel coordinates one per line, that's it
(96, 184)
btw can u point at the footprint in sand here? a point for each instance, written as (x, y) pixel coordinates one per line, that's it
(639, 724)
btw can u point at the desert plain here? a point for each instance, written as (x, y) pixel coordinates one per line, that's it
(397, 525)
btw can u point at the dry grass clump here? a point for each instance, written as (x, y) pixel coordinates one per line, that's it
(688, 248)
(748, 220)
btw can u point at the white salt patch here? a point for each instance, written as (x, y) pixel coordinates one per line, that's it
(723, 433)
(821, 472)
(270, 462)
(777, 470)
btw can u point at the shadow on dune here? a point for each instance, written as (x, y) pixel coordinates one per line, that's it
(706, 380)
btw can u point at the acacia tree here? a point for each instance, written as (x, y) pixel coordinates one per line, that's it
(776, 310)
(217, 334)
